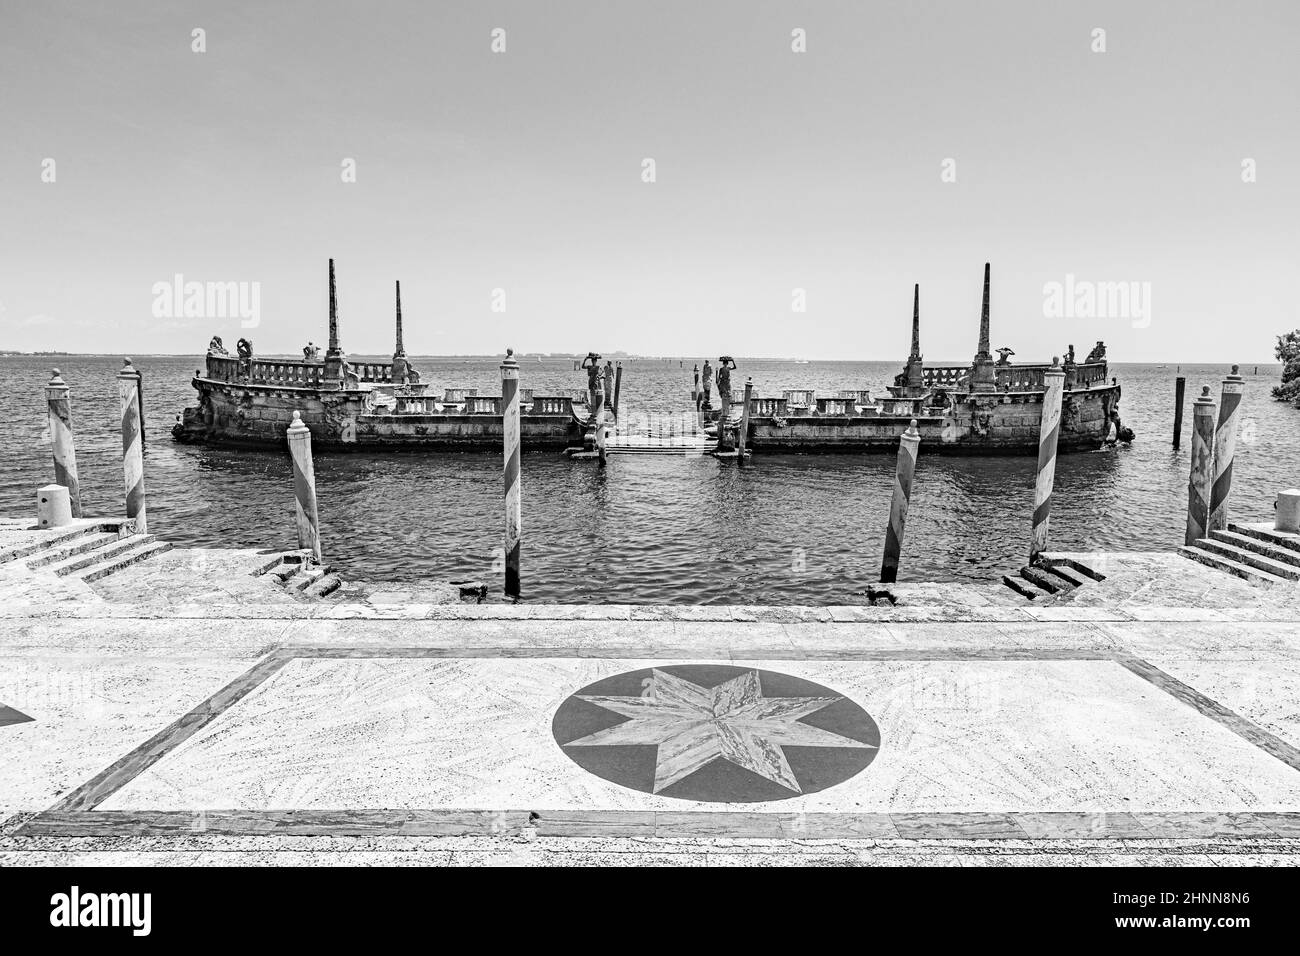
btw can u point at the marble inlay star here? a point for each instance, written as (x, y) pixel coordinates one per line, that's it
(693, 725)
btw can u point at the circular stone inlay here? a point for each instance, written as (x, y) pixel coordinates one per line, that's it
(716, 732)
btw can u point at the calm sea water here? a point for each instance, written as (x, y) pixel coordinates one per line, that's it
(788, 529)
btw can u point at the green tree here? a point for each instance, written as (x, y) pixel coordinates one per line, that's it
(1288, 353)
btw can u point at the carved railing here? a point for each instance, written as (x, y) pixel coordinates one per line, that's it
(901, 406)
(945, 376)
(553, 405)
(798, 397)
(1094, 373)
(860, 395)
(455, 396)
(281, 372)
(482, 405)
(835, 406)
(1020, 378)
(768, 407)
(373, 372)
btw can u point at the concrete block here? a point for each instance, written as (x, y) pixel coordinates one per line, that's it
(53, 506)
(1288, 511)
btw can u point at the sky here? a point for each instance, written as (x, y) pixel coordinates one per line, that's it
(796, 196)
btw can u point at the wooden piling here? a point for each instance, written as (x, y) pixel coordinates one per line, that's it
(742, 437)
(1201, 478)
(1180, 385)
(1049, 430)
(65, 453)
(618, 385)
(304, 486)
(908, 445)
(132, 448)
(514, 505)
(1225, 448)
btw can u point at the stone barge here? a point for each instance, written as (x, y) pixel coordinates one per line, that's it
(244, 400)
(985, 408)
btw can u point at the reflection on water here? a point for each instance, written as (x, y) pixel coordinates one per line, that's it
(786, 529)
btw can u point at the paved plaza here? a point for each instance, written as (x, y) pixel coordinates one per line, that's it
(978, 734)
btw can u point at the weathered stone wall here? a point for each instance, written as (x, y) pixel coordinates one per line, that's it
(261, 415)
(994, 423)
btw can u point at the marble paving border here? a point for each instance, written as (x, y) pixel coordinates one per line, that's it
(14, 609)
(75, 815)
(721, 824)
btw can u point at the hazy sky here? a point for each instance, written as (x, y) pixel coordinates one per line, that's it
(775, 171)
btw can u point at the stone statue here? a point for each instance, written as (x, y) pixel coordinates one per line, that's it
(725, 365)
(1098, 353)
(707, 379)
(609, 383)
(245, 348)
(1069, 356)
(592, 364)
(216, 346)
(1004, 355)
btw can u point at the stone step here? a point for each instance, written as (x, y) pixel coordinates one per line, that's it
(285, 570)
(323, 586)
(1023, 588)
(118, 561)
(78, 545)
(273, 561)
(1260, 546)
(303, 578)
(1059, 560)
(1067, 573)
(1042, 580)
(43, 542)
(1254, 559)
(1262, 532)
(103, 553)
(1235, 568)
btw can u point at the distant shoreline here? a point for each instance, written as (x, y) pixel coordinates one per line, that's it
(564, 357)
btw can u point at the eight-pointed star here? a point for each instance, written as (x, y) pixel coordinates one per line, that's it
(693, 725)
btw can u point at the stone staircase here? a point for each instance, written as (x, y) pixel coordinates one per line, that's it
(1254, 552)
(297, 573)
(1051, 575)
(88, 550)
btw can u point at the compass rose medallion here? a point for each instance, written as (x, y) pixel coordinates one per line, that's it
(716, 733)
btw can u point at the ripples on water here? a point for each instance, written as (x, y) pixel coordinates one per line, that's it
(786, 529)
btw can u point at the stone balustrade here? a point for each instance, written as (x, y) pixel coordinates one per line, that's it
(482, 405)
(949, 376)
(552, 405)
(286, 373)
(372, 372)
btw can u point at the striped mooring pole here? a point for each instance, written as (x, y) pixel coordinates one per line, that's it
(1201, 478)
(132, 447)
(908, 445)
(1225, 448)
(304, 486)
(743, 435)
(510, 431)
(139, 392)
(598, 433)
(1049, 431)
(1180, 386)
(65, 454)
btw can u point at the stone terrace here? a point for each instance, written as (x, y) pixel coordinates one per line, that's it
(1149, 717)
